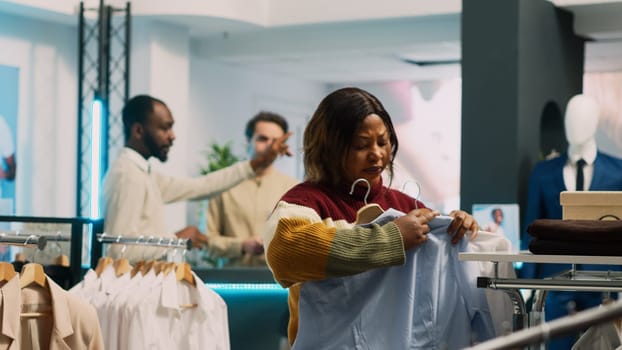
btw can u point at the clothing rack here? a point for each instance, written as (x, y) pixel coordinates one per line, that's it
(78, 225)
(558, 327)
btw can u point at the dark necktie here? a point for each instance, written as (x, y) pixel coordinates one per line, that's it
(580, 164)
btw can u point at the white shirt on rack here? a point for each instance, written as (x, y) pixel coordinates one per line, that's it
(115, 306)
(100, 300)
(202, 327)
(87, 287)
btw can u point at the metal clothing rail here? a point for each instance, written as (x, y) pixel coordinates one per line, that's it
(50, 237)
(150, 241)
(570, 280)
(99, 239)
(548, 330)
(12, 238)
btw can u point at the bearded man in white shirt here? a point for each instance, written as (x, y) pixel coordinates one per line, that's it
(134, 195)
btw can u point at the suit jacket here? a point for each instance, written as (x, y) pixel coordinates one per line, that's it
(74, 324)
(545, 184)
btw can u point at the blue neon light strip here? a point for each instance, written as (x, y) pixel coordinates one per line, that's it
(96, 137)
(267, 288)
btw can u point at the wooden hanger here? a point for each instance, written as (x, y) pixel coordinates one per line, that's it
(138, 266)
(147, 266)
(61, 260)
(103, 262)
(168, 268)
(369, 212)
(32, 273)
(20, 257)
(183, 272)
(121, 266)
(7, 272)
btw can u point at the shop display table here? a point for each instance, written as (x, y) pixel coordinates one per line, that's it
(569, 280)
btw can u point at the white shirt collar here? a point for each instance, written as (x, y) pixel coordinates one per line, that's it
(587, 153)
(137, 158)
(169, 298)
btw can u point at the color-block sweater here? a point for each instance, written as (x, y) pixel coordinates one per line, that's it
(311, 235)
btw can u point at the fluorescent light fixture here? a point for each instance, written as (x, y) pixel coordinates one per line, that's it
(96, 156)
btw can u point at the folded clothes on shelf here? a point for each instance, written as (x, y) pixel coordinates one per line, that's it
(576, 237)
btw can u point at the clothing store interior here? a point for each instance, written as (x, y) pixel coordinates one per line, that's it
(226, 174)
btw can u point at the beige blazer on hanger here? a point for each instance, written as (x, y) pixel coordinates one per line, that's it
(74, 322)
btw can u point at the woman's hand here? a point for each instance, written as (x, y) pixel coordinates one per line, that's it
(414, 226)
(461, 223)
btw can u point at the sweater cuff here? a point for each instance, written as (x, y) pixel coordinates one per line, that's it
(361, 249)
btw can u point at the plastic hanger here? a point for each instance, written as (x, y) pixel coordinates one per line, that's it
(368, 212)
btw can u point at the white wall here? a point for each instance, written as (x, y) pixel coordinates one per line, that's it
(46, 55)
(222, 99)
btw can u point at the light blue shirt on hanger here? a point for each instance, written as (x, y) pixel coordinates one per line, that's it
(431, 302)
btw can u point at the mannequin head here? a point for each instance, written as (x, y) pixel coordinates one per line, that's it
(581, 121)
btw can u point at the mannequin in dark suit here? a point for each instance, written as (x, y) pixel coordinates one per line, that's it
(602, 172)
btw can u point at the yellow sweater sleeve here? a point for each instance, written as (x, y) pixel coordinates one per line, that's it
(303, 248)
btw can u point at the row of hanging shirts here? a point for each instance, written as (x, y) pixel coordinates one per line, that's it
(153, 304)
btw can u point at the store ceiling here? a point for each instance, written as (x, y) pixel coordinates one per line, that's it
(393, 49)
(415, 48)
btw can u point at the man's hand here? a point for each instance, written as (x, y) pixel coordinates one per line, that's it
(252, 246)
(199, 240)
(264, 159)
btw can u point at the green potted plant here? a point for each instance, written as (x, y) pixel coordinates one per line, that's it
(218, 157)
